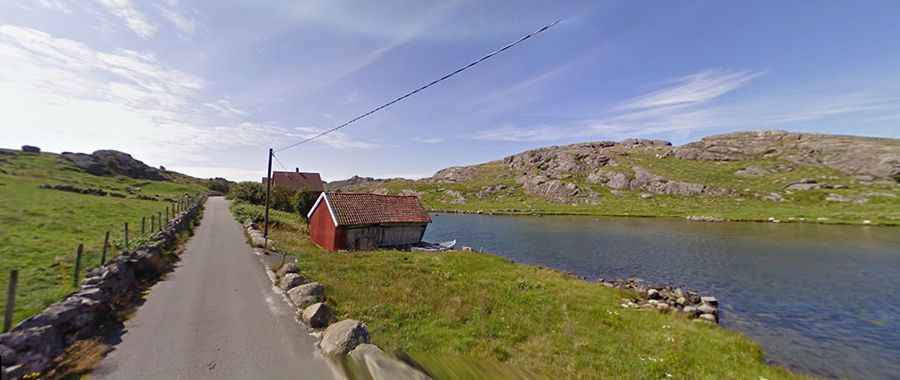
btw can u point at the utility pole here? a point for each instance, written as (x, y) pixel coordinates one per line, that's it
(268, 195)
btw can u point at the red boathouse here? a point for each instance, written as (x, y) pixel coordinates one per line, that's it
(356, 221)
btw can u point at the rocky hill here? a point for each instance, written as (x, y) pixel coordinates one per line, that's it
(724, 175)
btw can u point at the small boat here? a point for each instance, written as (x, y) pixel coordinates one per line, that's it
(434, 247)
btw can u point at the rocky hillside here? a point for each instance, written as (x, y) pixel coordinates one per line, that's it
(843, 177)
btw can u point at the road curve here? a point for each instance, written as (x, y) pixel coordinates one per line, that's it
(215, 317)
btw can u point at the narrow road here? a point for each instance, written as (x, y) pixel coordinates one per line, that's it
(216, 316)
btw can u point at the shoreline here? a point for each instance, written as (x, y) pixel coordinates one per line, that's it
(689, 218)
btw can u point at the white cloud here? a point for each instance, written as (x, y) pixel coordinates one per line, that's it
(63, 95)
(134, 19)
(681, 105)
(54, 5)
(184, 23)
(693, 89)
(337, 139)
(428, 140)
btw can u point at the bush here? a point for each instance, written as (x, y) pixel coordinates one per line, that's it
(250, 192)
(303, 202)
(220, 185)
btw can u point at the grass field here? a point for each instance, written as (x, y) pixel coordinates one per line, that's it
(41, 228)
(482, 310)
(882, 205)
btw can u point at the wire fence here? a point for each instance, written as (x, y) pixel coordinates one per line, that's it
(114, 243)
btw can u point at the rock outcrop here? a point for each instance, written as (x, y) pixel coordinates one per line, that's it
(111, 162)
(851, 155)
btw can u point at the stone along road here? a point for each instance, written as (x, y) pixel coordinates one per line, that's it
(216, 316)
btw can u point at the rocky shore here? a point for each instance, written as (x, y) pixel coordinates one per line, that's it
(667, 298)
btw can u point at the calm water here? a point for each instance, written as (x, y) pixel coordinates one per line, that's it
(820, 299)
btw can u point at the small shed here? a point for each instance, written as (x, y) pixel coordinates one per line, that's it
(357, 221)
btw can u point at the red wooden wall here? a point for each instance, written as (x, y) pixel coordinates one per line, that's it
(322, 230)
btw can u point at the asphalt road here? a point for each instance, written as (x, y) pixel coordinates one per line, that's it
(215, 317)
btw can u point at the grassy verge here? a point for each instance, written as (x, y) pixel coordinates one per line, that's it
(41, 228)
(485, 309)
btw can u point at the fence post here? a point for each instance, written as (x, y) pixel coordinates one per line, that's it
(167, 214)
(152, 223)
(105, 248)
(143, 225)
(126, 236)
(77, 265)
(10, 300)
(159, 217)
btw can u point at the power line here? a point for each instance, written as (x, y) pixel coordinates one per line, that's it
(429, 84)
(279, 162)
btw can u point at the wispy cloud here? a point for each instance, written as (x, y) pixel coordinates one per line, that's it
(185, 24)
(134, 19)
(685, 103)
(692, 90)
(428, 140)
(58, 89)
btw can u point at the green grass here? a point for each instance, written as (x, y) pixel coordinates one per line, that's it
(460, 310)
(40, 228)
(799, 206)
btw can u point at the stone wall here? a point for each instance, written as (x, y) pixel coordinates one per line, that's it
(33, 345)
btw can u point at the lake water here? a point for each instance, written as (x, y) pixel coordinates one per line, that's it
(819, 299)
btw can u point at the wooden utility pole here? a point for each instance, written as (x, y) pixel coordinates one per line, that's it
(268, 195)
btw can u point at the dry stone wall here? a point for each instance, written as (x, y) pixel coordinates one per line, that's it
(33, 346)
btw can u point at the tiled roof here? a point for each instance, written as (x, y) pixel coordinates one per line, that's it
(358, 208)
(298, 181)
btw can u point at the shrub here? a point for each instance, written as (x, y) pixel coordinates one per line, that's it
(250, 192)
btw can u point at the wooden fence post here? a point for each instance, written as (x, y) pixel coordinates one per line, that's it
(143, 225)
(167, 214)
(126, 236)
(10, 300)
(159, 217)
(77, 265)
(105, 248)
(152, 223)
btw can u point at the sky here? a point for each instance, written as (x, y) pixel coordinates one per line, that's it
(206, 87)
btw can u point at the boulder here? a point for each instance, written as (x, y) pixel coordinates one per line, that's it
(710, 300)
(30, 149)
(318, 315)
(288, 268)
(308, 294)
(370, 359)
(342, 337)
(708, 317)
(708, 309)
(292, 280)
(653, 294)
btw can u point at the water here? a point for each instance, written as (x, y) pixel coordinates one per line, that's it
(819, 299)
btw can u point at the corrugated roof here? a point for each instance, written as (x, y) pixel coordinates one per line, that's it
(359, 208)
(298, 180)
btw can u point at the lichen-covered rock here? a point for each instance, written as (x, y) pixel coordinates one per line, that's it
(318, 315)
(292, 280)
(342, 337)
(307, 294)
(288, 268)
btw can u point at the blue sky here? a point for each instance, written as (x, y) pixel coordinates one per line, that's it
(205, 87)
